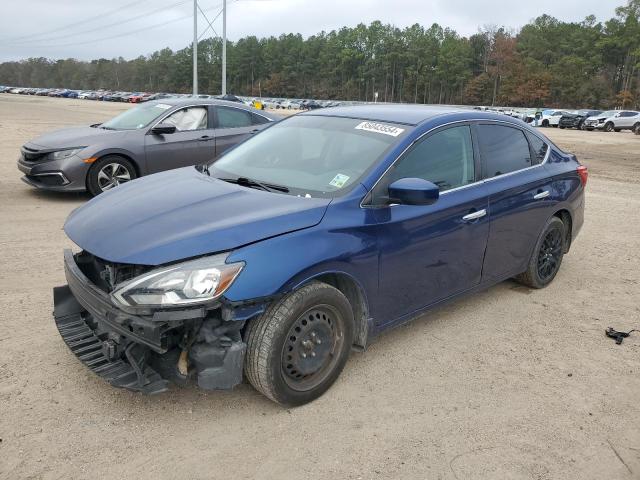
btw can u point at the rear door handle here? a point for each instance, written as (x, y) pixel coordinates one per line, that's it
(475, 215)
(541, 195)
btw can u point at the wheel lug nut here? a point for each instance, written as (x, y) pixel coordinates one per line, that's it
(313, 354)
(318, 341)
(304, 355)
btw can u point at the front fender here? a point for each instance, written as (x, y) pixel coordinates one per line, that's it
(344, 242)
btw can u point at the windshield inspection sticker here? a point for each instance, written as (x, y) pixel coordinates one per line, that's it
(339, 180)
(380, 128)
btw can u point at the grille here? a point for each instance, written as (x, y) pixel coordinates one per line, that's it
(32, 155)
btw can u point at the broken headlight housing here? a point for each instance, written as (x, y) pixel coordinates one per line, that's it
(183, 284)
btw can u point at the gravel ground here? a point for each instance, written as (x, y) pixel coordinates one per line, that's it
(509, 383)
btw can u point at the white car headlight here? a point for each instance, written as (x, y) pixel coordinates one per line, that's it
(62, 154)
(188, 283)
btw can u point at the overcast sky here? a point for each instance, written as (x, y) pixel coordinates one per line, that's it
(93, 29)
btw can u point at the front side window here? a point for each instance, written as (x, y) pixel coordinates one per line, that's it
(186, 119)
(233, 118)
(504, 150)
(444, 158)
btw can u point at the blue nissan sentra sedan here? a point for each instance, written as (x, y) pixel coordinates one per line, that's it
(308, 240)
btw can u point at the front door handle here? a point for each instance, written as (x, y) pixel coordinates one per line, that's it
(541, 195)
(204, 138)
(475, 215)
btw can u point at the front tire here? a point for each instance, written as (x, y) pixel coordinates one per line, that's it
(109, 172)
(299, 346)
(547, 256)
(608, 127)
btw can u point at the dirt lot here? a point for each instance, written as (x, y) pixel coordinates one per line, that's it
(510, 383)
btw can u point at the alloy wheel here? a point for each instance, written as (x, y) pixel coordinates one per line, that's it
(112, 175)
(550, 254)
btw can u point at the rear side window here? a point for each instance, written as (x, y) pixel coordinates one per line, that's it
(444, 158)
(539, 147)
(504, 150)
(233, 117)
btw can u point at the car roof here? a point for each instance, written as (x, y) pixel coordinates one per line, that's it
(407, 114)
(184, 101)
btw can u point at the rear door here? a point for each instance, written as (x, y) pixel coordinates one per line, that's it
(233, 125)
(193, 142)
(519, 190)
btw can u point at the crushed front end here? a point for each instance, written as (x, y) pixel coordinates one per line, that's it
(144, 348)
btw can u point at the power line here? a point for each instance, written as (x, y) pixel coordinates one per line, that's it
(93, 29)
(86, 20)
(124, 34)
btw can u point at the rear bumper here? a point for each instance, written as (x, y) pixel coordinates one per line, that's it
(140, 352)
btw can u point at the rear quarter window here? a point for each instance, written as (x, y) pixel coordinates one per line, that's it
(539, 147)
(504, 150)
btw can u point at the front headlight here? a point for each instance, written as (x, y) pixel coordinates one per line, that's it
(62, 154)
(188, 283)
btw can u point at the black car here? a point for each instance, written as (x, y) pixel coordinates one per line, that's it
(576, 119)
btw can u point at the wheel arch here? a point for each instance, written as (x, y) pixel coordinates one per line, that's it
(124, 154)
(356, 296)
(564, 215)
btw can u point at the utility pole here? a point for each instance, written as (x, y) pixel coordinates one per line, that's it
(195, 47)
(224, 47)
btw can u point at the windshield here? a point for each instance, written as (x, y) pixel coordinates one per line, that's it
(609, 113)
(137, 117)
(310, 155)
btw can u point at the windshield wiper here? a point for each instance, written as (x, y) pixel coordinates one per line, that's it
(248, 182)
(106, 128)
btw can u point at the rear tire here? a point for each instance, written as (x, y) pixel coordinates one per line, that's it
(547, 256)
(109, 172)
(297, 348)
(545, 123)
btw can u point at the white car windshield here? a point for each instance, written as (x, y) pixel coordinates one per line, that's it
(314, 155)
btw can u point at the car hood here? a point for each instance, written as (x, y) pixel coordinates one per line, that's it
(183, 213)
(75, 137)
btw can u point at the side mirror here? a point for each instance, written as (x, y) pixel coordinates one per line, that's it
(163, 129)
(413, 191)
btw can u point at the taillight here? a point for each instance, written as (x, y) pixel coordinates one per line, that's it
(583, 173)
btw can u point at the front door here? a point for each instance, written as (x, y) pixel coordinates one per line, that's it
(193, 142)
(429, 253)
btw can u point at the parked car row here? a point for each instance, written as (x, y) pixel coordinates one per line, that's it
(104, 95)
(608, 121)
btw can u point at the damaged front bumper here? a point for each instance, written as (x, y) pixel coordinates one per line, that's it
(145, 352)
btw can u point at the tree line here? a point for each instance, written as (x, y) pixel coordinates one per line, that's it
(547, 63)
